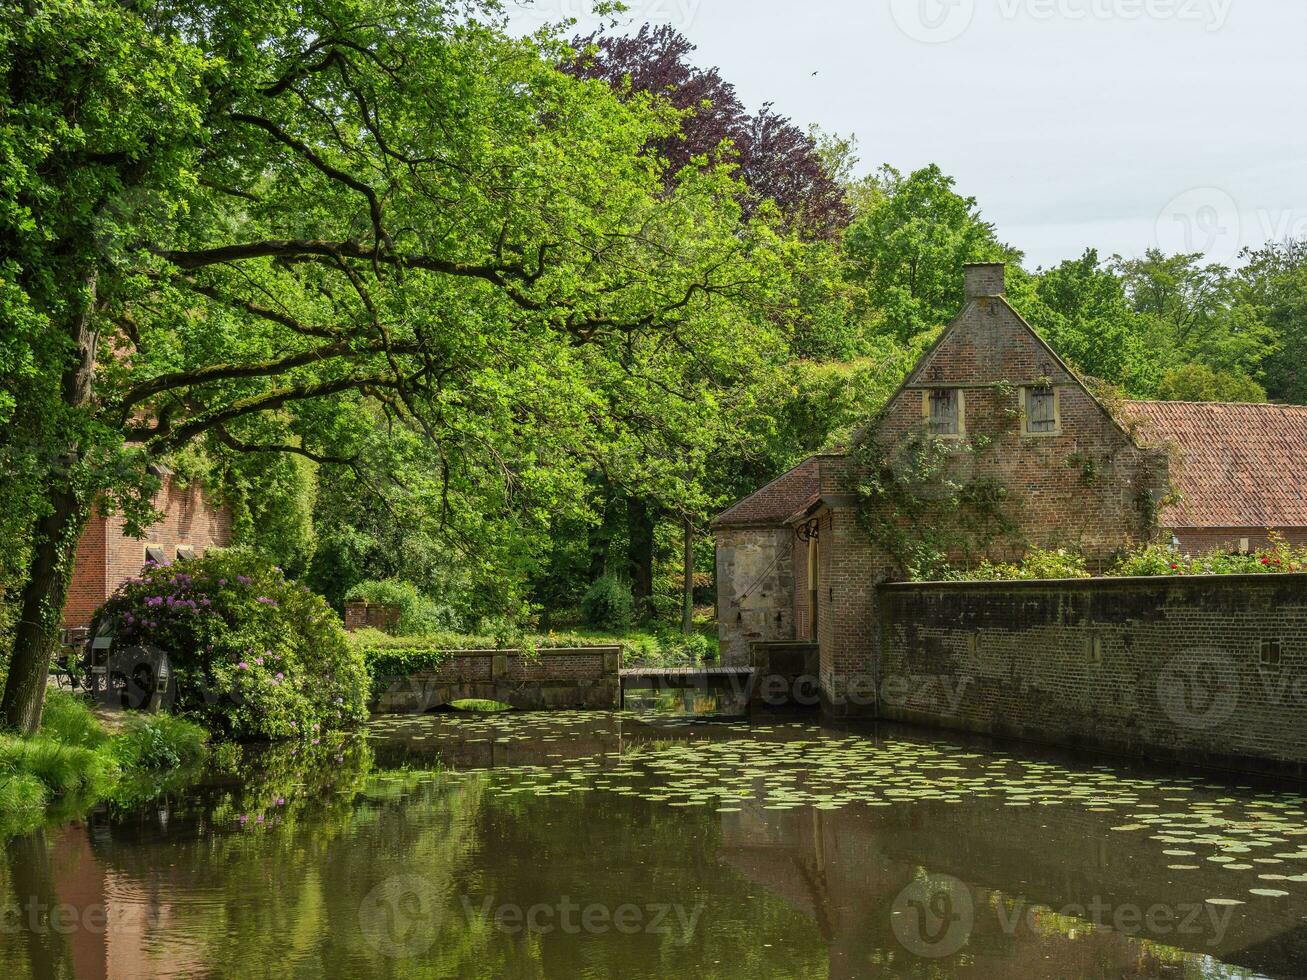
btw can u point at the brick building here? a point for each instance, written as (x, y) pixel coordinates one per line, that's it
(794, 563)
(106, 557)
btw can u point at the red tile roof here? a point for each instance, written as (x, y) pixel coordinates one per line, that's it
(1238, 465)
(770, 506)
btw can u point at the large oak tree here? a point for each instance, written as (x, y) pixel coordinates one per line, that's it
(248, 224)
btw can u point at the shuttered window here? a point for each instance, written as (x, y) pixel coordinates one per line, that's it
(1041, 410)
(944, 412)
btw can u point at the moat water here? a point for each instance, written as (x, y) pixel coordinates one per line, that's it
(607, 845)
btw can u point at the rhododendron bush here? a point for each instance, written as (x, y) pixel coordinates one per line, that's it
(255, 656)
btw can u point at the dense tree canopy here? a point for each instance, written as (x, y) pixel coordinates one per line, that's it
(268, 229)
(777, 160)
(492, 315)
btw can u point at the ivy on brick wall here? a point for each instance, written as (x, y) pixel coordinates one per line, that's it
(918, 504)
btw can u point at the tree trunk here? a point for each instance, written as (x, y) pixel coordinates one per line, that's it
(41, 610)
(687, 601)
(640, 519)
(54, 543)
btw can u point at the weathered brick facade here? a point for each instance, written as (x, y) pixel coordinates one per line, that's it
(371, 615)
(106, 557)
(755, 589)
(573, 677)
(1203, 669)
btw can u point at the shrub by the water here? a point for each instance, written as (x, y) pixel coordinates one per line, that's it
(607, 604)
(254, 655)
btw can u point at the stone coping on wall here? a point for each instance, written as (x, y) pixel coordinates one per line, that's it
(1122, 581)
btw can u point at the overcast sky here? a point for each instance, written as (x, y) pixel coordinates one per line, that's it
(1118, 124)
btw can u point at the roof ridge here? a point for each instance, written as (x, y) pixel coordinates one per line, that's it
(1170, 401)
(724, 518)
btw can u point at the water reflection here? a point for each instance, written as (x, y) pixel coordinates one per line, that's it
(597, 844)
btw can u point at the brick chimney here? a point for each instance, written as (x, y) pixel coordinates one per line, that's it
(984, 279)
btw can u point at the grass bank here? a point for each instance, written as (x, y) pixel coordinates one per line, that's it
(73, 761)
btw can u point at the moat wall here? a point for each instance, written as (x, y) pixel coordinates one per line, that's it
(1206, 670)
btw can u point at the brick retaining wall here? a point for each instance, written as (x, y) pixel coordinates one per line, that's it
(580, 677)
(1163, 667)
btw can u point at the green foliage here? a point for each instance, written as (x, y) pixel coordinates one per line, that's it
(61, 768)
(1037, 564)
(607, 604)
(392, 656)
(271, 242)
(68, 719)
(73, 760)
(1195, 313)
(919, 502)
(1279, 557)
(1082, 310)
(160, 742)
(255, 656)
(480, 705)
(1275, 280)
(1199, 383)
(419, 615)
(1154, 560)
(907, 245)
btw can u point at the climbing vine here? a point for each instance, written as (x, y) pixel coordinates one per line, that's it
(918, 503)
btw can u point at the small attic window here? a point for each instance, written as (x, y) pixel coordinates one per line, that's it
(943, 411)
(1040, 407)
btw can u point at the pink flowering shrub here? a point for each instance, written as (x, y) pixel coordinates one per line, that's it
(256, 656)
